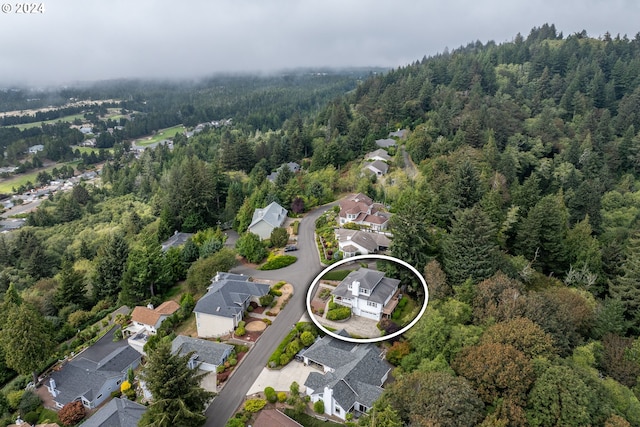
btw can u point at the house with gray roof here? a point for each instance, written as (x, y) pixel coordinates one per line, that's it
(357, 242)
(266, 219)
(377, 167)
(222, 307)
(176, 240)
(352, 375)
(205, 355)
(379, 154)
(386, 143)
(117, 413)
(400, 133)
(94, 373)
(368, 293)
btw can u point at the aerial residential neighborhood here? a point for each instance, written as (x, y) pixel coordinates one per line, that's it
(204, 222)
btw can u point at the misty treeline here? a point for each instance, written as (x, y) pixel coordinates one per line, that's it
(523, 217)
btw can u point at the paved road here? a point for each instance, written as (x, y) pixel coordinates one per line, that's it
(300, 274)
(409, 167)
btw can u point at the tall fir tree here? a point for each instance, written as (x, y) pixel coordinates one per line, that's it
(625, 288)
(110, 266)
(470, 250)
(178, 398)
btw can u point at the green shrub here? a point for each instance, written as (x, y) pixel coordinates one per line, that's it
(282, 396)
(285, 358)
(13, 399)
(266, 321)
(250, 308)
(307, 338)
(279, 284)
(318, 407)
(270, 394)
(295, 227)
(293, 347)
(275, 292)
(277, 262)
(339, 313)
(267, 299)
(31, 417)
(254, 405)
(240, 331)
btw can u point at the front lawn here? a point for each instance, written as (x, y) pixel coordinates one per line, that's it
(337, 275)
(308, 420)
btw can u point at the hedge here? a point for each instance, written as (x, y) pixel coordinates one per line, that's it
(295, 226)
(340, 313)
(277, 262)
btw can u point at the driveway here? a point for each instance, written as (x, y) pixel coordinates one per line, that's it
(300, 274)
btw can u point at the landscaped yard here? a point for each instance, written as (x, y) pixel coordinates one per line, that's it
(7, 184)
(308, 420)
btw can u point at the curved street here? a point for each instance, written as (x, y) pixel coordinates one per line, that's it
(300, 274)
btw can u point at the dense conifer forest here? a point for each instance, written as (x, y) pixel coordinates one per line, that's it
(516, 192)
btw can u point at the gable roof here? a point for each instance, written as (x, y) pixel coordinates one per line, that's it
(380, 287)
(369, 241)
(378, 153)
(379, 165)
(148, 316)
(273, 214)
(358, 371)
(384, 143)
(89, 370)
(178, 239)
(226, 297)
(213, 353)
(400, 133)
(117, 413)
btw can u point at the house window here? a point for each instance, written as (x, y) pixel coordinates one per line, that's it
(364, 291)
(118, 383)
(337, 410)
(372, 304)
(99, 396)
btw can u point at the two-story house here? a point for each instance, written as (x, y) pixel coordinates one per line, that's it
(368, 293)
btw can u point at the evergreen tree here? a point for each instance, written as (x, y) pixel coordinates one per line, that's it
(147, 273)
(625, 288)
(71, 288)
(470, 249)
(26, 340)
(110, 265)
(178, 399)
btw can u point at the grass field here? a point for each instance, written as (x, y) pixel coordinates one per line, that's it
(7, 185)
(89, 150)
(167, 133)
(69, 119)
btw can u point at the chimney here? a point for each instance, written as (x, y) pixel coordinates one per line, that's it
(52, 386)
(150, 306)
(355, 288)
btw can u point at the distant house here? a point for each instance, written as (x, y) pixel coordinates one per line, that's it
(352, 378)
(206, 355)
(293, 167)
(117, 413)
(36, 148)
(400, 133)
(177, 240)
(222, 307)
(368, 293)
(93, 374)
(145, 321)
(377, 167)
(378, 154)
(357, 242)
(86, 129)
(360, 209)
(386, 143)
(266, 219)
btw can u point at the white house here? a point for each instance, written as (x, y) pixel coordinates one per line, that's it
(357, 242)
(352, 375)
(266, 219)
(222, 307)
(36, 148)
(368, 293)
(206, 355)
(145, 321)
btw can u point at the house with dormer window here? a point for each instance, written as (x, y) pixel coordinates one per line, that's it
(360, 209)
(368, 293)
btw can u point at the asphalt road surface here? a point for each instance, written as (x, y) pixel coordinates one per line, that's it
(300, 274)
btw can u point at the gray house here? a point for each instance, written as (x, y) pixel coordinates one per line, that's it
(207, 355)
(377, 167)
(93, 374)
(368, 293)
(386, 143)
(352, 378)
(266, 219)
(222, 307)
(117, 413)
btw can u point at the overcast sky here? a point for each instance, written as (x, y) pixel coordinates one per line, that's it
(85, 40)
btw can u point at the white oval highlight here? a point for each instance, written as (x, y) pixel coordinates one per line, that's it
(363, 257)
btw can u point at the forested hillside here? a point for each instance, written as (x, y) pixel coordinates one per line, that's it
(524, 219)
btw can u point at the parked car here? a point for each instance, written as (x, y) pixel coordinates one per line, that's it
(290, 248)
